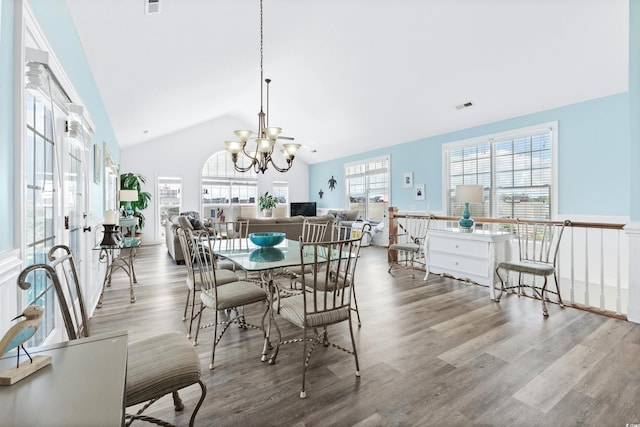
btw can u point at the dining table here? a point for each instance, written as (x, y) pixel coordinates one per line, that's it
(268, 262)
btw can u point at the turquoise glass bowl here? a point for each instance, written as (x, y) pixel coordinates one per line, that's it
(266, 255)
(267, 238)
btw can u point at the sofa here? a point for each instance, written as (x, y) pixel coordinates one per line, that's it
(189, 220)
(291, 226)
(344, 217)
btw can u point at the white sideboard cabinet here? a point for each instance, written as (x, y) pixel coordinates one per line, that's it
(467, 255)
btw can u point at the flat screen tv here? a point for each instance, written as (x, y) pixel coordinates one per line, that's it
(303, 208)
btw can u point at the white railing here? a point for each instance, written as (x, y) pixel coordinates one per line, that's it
(593, 260)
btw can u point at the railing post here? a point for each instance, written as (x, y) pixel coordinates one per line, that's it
(633, 309)
(393, 230)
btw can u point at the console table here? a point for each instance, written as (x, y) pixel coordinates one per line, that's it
(467, 255)
(118, 256)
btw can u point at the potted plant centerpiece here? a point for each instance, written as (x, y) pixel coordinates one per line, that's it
(266, 203)
(134, 181)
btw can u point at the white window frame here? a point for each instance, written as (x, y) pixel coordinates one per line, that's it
(172, 182)
(228, 178)
(31, 44)
(366, 174)
(497, 137)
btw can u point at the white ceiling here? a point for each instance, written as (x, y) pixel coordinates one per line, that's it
(348, 75)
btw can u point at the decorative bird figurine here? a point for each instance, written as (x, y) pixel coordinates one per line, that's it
(22, 331)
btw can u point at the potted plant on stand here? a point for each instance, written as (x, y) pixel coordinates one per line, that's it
(134, 181)
(266, 203)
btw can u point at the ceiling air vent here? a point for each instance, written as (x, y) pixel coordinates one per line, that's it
(151, 6)
(465, 105)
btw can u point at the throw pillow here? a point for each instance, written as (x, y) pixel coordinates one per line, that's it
(192, 214)
(342, 216)
(196, 223)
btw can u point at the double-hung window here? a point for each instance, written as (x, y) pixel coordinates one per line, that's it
(516, 170)
(367, 187)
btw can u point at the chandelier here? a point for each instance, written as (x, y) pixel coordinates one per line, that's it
(262, 155)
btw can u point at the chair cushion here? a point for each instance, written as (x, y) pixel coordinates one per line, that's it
(233, 294)
(538, 269)
(159, 365)
(297, 270)
(407, 247)
(292, 309)
(225, 264)
(331, 284)
(222, 277)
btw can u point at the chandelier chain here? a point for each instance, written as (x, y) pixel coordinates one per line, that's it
(261, 53)
(267, 136)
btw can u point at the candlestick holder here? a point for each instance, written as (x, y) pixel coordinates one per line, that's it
(110, 236)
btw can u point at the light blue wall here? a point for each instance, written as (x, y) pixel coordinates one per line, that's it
(593, 164)
(6, 126)
(55, 21)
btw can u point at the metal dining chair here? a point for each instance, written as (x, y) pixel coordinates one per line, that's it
(406, 248)
(341, 232)
(227, 235)
(230, 298)
(311, 232)
(194, 284)
(156, 366)
(326, 301)
(538, 244)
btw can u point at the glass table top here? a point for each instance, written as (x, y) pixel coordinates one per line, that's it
(256, 258)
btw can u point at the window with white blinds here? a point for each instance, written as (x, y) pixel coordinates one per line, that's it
(515, 169)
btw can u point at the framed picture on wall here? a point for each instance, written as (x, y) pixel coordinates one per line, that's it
(407, 179)
(418, 192)
(97, 164)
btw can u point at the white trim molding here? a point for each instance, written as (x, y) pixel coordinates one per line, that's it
(633, 233)
(10, 267)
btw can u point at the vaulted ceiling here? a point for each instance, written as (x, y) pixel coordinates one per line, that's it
(348, 75)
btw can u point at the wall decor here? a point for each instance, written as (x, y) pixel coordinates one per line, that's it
(407, 180)
(418, 192)
(97, 164)
(320, 193)
(332, 183)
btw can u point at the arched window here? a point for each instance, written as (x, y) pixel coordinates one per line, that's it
(226, 192)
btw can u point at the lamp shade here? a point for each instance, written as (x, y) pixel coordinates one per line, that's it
(469, 194)
(128, 195)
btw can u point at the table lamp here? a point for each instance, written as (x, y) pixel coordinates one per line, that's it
(468, 194)
(128, 196)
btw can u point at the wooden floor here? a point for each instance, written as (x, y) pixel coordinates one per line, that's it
(436, 353)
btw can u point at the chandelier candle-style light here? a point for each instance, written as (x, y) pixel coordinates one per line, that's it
(267, 135)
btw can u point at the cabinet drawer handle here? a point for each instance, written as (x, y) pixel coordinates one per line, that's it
(457, 246)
